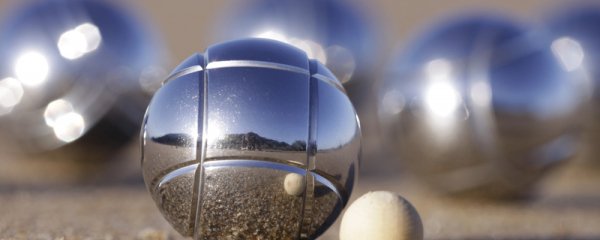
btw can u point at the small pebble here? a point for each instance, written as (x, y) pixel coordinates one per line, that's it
(381, 215)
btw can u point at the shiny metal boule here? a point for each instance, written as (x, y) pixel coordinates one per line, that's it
(479, 105)
(342, 35)
(224, 133)
(576, 35)
(68, 67)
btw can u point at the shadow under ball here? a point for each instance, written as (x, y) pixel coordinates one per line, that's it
(480, 106)
(577, 30)
(232, 130)
(72, 69)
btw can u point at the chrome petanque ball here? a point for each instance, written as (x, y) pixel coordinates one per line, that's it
(340, 34)
(576, 39)
(250, 140)
(480, 106)
(69, 66)
(334, 32)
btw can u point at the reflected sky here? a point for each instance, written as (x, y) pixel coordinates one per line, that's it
(271, 103)
(336, 119)
(174, 108)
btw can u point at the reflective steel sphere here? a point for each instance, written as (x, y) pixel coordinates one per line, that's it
(330, 31)
(67, 65)
(479, 105)
(576, 35)
(231, 131)
(340, 34)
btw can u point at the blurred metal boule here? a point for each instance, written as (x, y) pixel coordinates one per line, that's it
(334, 32)
(575, 30)
(479, 105)
(75, 79)
(224, 133)
(67, 67)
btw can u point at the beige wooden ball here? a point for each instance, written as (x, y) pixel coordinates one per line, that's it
(381, 215)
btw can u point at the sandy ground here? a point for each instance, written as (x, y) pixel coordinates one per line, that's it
(566, 207)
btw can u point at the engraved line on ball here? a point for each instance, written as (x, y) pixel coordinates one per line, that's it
(333, 82)
(183, 72)
(161, 176)
(177, 172)
(274, 165)
(254, 163)
(201, 151)
(257, 64)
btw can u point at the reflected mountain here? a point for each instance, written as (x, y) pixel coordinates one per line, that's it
(176, 139)
(254, 142)
(241, 141)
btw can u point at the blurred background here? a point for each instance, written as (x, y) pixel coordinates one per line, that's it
(483, 114)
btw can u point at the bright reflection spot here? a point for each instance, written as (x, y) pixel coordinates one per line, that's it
(55, 110)
(31, 68)
(569, 52)
(91, 34)
(72, 44)
(66, 123)
(69, 127)
(11, 93)
(216, 131)
(79, 41)
(481, 93)
(313, 50)
(273, 35)
(441, 99)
